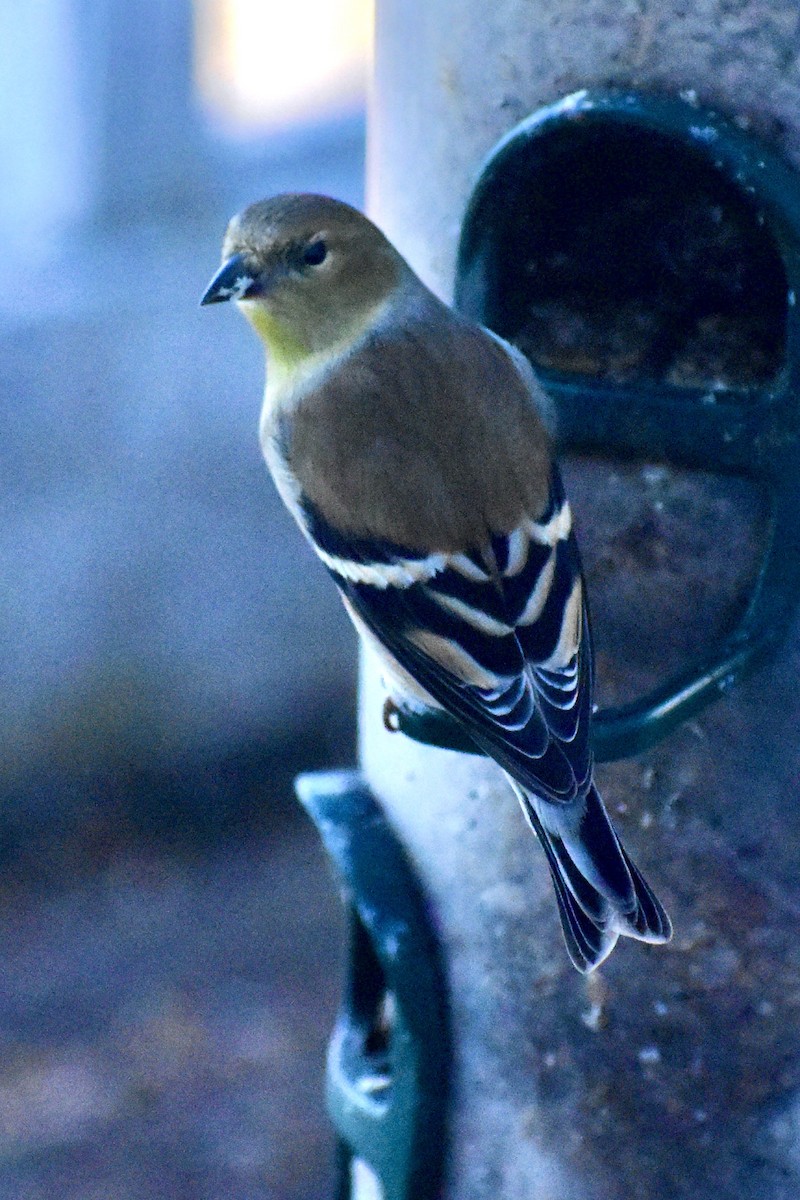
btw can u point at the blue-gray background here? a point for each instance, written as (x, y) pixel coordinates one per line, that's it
(171, 654)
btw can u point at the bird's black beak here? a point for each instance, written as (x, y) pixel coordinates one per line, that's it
(232, 281)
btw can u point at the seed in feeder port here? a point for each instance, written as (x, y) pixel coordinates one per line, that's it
(370, 1085)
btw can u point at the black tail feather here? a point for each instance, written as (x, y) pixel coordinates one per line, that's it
(653, 923)
(601, 893)
(588, 898)
(587, 940)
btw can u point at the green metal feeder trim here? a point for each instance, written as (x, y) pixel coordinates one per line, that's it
(389, 1057)
(749, 432)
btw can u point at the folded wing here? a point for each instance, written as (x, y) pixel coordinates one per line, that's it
(497, 634)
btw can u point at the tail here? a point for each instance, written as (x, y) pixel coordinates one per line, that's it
(601, 894)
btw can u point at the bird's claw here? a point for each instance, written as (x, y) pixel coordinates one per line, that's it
(391, 716)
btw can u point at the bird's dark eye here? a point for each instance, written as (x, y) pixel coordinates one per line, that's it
(315, 254)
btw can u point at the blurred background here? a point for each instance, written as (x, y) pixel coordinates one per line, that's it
(171, 654)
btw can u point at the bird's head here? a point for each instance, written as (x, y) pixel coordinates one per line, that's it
(308, 272)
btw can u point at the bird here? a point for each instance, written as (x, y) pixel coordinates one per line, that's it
(412, 447)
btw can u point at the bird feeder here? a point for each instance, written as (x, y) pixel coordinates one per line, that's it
(585, 207)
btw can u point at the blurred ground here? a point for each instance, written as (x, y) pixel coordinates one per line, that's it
(164, 1018)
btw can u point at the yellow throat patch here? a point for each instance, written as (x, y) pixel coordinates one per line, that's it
(286, 352)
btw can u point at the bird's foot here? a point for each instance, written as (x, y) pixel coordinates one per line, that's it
(391, 715)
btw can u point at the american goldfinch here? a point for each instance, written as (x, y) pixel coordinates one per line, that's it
(410, 447)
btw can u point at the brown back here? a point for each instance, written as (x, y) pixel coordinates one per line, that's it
(425, 435)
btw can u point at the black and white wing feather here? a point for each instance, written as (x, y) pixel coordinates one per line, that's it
(497, 635)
